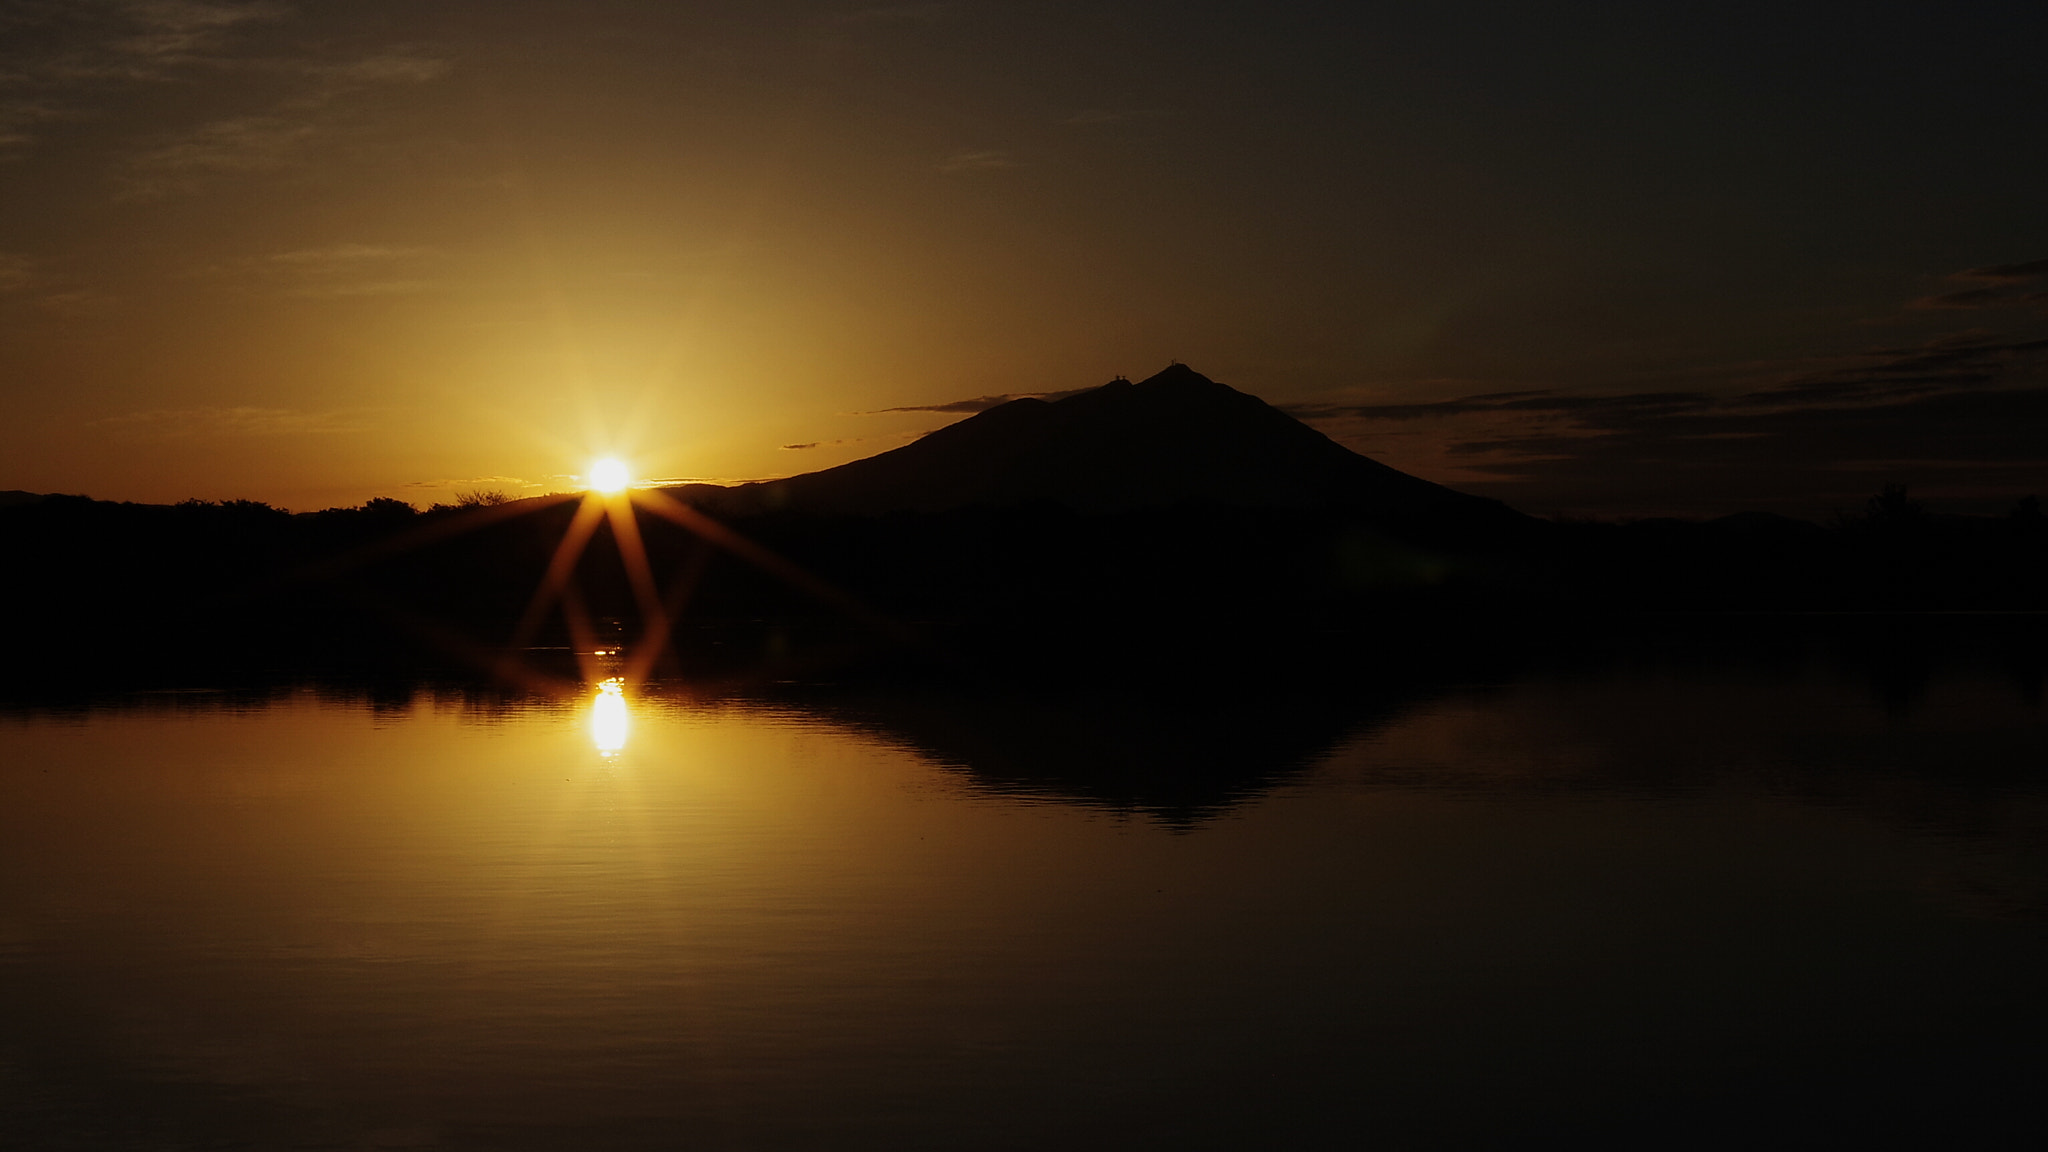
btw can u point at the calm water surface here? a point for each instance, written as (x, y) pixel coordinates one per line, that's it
(1643, 904)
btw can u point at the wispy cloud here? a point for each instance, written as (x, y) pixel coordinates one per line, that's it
(1998, 286)
(725, 481)
(179, 31)
(357, 270)
(896, 14)
(1881, 375)
(66, 50)
(240, 144)
(481, 483)
(1544, 401)
(18, 120)
(59, 60)
(184, 162)
(1961, 411)
(984, 160)
(187, 423)
(2029, 270)
(77, 303)
(824, 443)
(1115, 115)
(1964, 299)
(335, 270)
(342, 255)
(980, 403)
(23, 283)
(386, 68)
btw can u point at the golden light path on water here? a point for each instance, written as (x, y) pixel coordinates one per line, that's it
(610, 720)
(470, 919)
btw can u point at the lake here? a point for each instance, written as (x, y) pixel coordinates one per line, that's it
(1648, 899)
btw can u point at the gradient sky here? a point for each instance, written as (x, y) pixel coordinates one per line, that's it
(1599, 258)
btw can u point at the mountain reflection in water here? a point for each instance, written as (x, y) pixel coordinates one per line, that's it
(1670, 902)
(1176, 759)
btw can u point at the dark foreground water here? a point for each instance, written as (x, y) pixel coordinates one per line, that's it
(1653, 903)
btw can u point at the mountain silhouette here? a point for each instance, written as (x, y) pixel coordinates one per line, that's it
(1175, 438)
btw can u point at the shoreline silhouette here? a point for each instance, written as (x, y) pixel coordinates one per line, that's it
(1174, 521)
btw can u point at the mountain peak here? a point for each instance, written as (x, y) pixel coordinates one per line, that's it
(1173, 438)
(1177, 375)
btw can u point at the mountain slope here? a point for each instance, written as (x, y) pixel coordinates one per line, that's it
(1175, 438)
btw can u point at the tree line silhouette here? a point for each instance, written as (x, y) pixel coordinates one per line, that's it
(92, 581)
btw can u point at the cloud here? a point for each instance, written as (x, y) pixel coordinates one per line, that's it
(1967, 298)
(343, 255)
(177, 31)
(20, 280)
(980, 403)
(19, 117)
(1967, 360)
(896, 14)
(357, 270)
(1115, 116)
(336, 270)
(481, 482)
(1540, 401)
(74, 54)
(723, 481)
(1996, 286)
(76, 303)
(2007, 272)
(986, 160)
(976, 404)
(187, 423)
(1963, 411)
(183, 163)
(239, 144)
(100, 41)
(387, 68)
(1958, 415)
(53, 56)
(824, 443)
(1970, 360)
(1982, 444)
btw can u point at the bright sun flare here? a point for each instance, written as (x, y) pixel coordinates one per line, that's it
(609, 718)
(609, 475)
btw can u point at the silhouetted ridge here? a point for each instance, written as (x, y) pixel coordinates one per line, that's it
(1174, 438)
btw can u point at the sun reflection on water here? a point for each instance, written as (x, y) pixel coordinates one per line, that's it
(610, 721)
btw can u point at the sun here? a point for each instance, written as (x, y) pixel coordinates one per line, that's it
(610, 719)
(609, 475)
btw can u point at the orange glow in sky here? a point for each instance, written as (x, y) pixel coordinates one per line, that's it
(312, 254)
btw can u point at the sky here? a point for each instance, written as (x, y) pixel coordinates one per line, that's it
(1594, 259)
